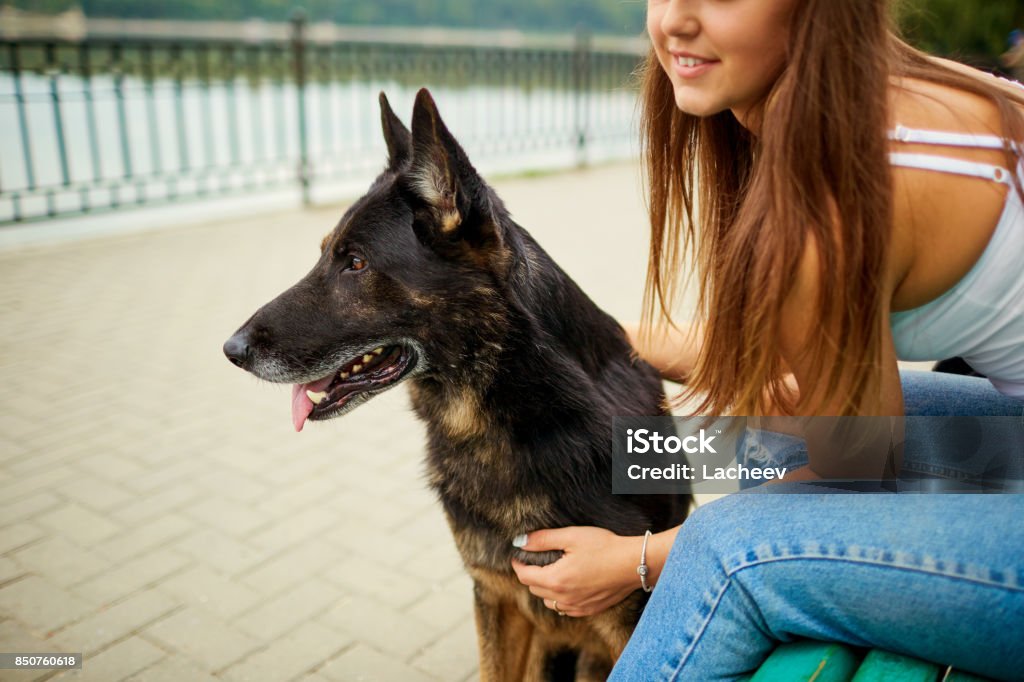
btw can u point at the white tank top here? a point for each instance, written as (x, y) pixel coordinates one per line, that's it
(981, 318)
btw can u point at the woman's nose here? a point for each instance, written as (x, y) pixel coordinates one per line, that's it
(681, 18)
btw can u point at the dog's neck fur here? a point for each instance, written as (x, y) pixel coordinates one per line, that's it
(487, 446)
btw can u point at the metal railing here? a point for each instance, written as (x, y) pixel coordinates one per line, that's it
(108, 121)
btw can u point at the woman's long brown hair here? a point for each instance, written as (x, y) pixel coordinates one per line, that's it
(818, 171)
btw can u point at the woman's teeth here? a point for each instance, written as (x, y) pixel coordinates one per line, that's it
(690, 61)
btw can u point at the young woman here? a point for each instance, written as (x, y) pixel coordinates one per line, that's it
(849, 201)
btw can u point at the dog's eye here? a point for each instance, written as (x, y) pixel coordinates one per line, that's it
(355, 263)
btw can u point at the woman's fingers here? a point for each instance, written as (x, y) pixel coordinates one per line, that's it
(564, 608)
(531, 576)
(546, 539)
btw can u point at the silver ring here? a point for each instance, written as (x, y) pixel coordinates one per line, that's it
(554, 605)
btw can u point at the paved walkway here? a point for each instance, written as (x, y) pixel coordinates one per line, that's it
(158, 513)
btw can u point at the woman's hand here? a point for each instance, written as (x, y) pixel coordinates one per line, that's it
(597, 569)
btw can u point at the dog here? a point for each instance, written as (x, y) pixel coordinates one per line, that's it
(516, 373)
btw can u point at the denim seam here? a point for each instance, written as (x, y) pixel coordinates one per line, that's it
(696, 637)
(870, 562)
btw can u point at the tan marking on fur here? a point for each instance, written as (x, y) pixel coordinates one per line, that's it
(450, 219)
(422, 299)
(326, 240)
(520, 512)
(433, 185)
(501, 605)
(463, 417)
(504, 636)
(610, 626)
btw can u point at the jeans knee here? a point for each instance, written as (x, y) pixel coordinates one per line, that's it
(720, 529)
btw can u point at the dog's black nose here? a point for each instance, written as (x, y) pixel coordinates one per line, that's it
(237, 349)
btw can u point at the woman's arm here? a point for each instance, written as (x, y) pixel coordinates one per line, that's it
(597, 569)
(673, 352)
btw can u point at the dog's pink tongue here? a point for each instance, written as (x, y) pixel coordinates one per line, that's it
(301, 404)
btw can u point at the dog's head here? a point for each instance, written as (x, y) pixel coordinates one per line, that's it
(407, 282)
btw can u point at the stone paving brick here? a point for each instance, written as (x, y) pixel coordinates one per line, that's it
(15, 638)
(60, 561)
(362, 576)
(18, 535)
(116, 663)
(172, 669)
(225, 515)
(423, 526)
(144, 508)
(95, 493)
(393, 632)
(363, 664)
(444, 607)
(115, 622)
(306, 647)
(41, 604)
(279, 614)
(11, 449)
(150, 480)
(132, 576)
(43, 458)
(23, 486)
(293, 528)
(437, 562)
(233, 484)
(362, 536)
(289, 567)
(155, 533)
(202, 637)
(9, 570)
(299, 495)
(25, 507)
(206, 589)
(452, 657)
(110, 466)
(220, 552)
(83, 525)
(365, 507)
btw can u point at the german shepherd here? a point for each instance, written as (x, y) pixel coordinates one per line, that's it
(517, 374)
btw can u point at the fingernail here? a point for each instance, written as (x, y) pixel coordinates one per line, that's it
(519, 541)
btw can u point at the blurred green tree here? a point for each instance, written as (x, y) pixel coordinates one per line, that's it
(973, 31)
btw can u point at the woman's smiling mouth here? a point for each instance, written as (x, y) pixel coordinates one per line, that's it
(690, 65)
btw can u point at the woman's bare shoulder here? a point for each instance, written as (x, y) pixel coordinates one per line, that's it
(942, 221)
(918, 103)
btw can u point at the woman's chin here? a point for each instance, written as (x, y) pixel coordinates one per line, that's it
(695, 106)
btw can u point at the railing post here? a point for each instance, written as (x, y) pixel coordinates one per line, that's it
(581, 83)
(298, 21)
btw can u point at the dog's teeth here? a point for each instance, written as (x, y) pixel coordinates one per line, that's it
(317, 398)
(367, 358)
(343, 375)
(356, 368)
(378, 351)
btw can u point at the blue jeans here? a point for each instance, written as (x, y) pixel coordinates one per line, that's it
(938, 577)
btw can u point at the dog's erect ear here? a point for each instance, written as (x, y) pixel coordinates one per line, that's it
(396, 135)
(463, 212)
(440, 168)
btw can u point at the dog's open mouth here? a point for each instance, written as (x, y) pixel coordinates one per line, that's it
(370, 371)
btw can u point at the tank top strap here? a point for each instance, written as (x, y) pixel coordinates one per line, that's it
(946, 164)
(947, 139)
